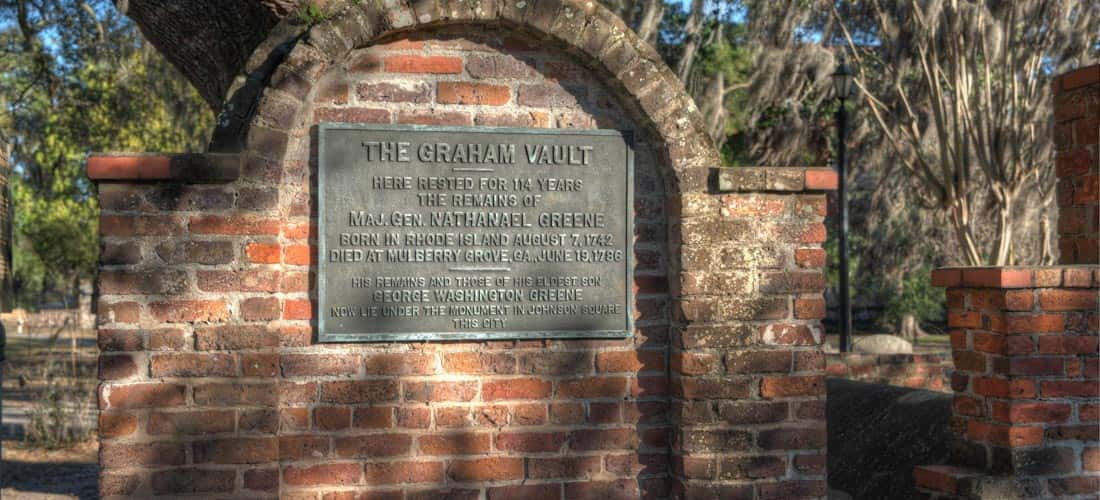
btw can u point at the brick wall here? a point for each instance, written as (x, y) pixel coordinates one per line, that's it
(1025, 413)
(213, 382)
(929, 371)
(1077, 158)
(747, 364)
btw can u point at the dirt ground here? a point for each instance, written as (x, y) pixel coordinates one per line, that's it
(29, 472)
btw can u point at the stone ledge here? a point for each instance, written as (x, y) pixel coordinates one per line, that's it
(1084, 276)
(195, 168)
(782, 179)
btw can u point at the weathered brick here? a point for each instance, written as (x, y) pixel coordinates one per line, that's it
(781, 387)
(479, 362)
(758, 361)
(422, 64)
(1068, 300)
(192, 365)
(433, 391)
(234, 337)
(486, 469)
(261, 479)
(191, 422)
(400, 364)
(229, 394)
(260, 309)
(183, 481)
(113, 425)
(592, 387)
(521, 388)
(371, 446)
(434, 117)
(530, 442)
(788, 438)
(413, 92)
(312, 365)
(359, 391)
(335, 474)
(498, 66)
(472, 93)
(236, 450)
(630, 361)
(189, 311)
(118, 455)
(296, 309)
(239, 281)
(195, 252)
(233, 225)
(151, 395)
(116, 366)
(404, 472)
(466, 443)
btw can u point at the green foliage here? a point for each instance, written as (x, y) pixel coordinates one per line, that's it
(311, 13)
(86, 82)
(916, 296)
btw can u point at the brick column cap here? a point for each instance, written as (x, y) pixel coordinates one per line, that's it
(182, 167)
(1077, 78)
(778, 179)
(1016, 276)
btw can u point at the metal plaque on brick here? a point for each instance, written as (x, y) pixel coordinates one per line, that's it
(450, 233)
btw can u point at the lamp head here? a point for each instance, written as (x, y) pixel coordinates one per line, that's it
(843, 80)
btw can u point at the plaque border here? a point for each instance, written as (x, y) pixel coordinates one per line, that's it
(322, 337)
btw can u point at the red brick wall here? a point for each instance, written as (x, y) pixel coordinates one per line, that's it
(747, 364)
(918, 371)
(1026, 413)
(509, 417)
(214, 384)
(1077, 158)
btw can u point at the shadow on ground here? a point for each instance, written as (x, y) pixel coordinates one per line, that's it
(73, 479)
(878, 433)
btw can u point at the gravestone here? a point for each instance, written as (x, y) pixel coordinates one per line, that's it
(362, 289)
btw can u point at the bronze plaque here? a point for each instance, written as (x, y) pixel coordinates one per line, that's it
(444, 233)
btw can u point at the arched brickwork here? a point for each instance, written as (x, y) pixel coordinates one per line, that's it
(619, 389)
(225, 390)
(629, 65)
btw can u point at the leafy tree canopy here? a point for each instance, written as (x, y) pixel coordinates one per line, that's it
(76, 77)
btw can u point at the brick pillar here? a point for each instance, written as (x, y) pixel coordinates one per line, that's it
(747, 365)
(1025, 415)
(1077, 157)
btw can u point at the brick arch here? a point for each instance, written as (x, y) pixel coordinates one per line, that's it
(587, 30)
(680, 154)
(213, 383)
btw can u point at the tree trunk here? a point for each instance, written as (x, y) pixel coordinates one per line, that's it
(209, 41)
(650, 21)
(909, 328)
(692, 29)
(5, 232)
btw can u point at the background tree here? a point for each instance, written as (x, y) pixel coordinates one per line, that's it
(757, 69)
(992, 170)
(76, 77)
(961, 92)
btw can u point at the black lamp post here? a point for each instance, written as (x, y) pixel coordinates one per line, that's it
(843, 86)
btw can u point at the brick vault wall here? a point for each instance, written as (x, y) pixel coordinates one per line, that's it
(513, 418)
(214, 383)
